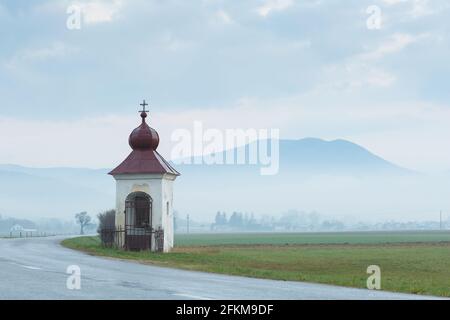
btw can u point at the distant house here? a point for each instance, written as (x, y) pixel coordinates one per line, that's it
(18, 229)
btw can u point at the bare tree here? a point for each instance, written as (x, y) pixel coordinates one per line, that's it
(83, 219)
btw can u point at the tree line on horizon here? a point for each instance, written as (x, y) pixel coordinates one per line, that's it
(299, 221)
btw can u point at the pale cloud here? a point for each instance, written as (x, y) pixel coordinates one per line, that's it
(3, 11)
(224, 17)
(352, 76)
(57, 49)
(379, 78)
(170, 42)
(361, 70)
(274, 5)
(394, 2)
(93, 11)
(419, 8)
(393, 44)
(29, 55)
(100, 11)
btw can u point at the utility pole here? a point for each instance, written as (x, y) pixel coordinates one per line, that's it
(175, 223)
(187, 226)
(440, 220)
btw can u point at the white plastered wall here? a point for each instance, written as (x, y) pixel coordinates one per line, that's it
(160, 189)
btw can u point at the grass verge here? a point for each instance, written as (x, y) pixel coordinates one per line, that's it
(421, 268)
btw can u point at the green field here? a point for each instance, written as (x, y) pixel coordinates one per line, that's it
(214, 239)
(412, 262)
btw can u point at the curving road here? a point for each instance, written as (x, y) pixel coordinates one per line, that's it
(36, 269)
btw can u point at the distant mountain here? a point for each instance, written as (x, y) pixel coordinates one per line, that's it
(313, 156)
(75, 176)
(317, 155)
(330, 176)
(314, 174)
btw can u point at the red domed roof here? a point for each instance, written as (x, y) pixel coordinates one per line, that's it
(144, 158)
(144, 137)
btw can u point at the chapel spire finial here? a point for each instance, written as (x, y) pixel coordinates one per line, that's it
(143, 111)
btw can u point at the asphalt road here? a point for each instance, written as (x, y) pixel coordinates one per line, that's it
(36, 269)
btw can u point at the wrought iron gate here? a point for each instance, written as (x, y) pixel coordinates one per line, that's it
(137, 233)
(138, 222)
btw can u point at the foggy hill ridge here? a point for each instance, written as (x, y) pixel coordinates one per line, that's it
(317, 156)
(314, 174)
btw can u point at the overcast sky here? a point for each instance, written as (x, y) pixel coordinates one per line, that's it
(311, 68)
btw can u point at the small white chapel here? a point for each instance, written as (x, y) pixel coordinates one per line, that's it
(144, 194)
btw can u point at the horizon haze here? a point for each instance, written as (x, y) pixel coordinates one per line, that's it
(335, 178)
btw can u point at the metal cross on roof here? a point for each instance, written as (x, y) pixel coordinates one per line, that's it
(143, 104)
